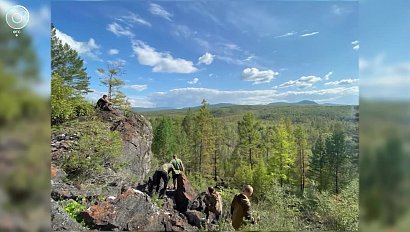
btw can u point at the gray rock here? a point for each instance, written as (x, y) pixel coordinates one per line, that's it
(136, 133)
(194, 217)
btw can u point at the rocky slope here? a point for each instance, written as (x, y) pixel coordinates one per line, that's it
(119, 203)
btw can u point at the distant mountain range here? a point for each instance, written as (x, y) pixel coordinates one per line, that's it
(221, 105)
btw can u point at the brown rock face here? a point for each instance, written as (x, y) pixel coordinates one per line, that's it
(184, 194)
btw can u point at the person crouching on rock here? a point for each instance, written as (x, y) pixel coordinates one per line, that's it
(161, 173)
(104, 104)
(213, 203)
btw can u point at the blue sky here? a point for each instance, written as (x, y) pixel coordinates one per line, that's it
(176, 53)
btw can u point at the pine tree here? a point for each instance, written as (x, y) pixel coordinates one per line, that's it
(205, 139)
(120, 101)
(249, 136)
(164, 142)
(319, 164)
(336, 152)
(302, 156)
(67, 64)
(111, 78)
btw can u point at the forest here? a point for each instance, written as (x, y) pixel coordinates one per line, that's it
(301, 159)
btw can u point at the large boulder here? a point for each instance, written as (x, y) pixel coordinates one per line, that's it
(136, 133)
(133, 210)
(61, 221)
(184, 193)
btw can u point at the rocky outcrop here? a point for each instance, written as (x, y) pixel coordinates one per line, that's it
(61, 221)
(133, 210)
(184, 193)
(136, 133)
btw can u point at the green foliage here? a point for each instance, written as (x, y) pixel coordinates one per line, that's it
(111, 78)
(64, 104)
(249, 137)
(319, 165)
(98, 149)
(164, 143)
(120, 101)
(156, 200)
(243, 175)
(73, 209)
(341, 212)
(67, 64)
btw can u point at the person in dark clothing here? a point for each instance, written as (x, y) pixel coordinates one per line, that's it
(161, 173)
(104, 104)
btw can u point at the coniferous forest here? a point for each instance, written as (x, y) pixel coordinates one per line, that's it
(301, 159)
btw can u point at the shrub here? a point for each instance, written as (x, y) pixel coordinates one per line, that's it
(62, 107)
(341, 212)
(243, 175)
(98, 149)
(73, 209)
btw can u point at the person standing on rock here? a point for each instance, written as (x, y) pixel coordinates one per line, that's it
(178, 168)
(213, 203)
(161, 173)
(241, 208)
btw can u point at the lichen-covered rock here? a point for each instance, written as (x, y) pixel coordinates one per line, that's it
(133, 210)
(136, 133)
(61, 221)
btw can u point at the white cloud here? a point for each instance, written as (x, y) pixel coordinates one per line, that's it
(161, 61)
(156, 9)
(257, 76)
(132, 19)
(206, 58)
(184, 97)
(119, 30)
(343, 82)
(286, 34)
(327, 76)
(113, 51)
(338, 10)
(309, 34)
(138, 88)
(303, 82)
(355, 45)
(89, 49)
(193, 81)
(117, 62)
(137, 101)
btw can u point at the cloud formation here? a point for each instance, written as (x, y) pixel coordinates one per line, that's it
(303, 82)
(309, 34)
(183, 97)
(119, 30)
(206, 58)
(138, 88)
(327, 76)
(193, 81)
(343, 82)
(113, 51)
(356, 45)
(161, 61)
(257, 76)
(286, 34)
(89, 49)
(156, 9)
